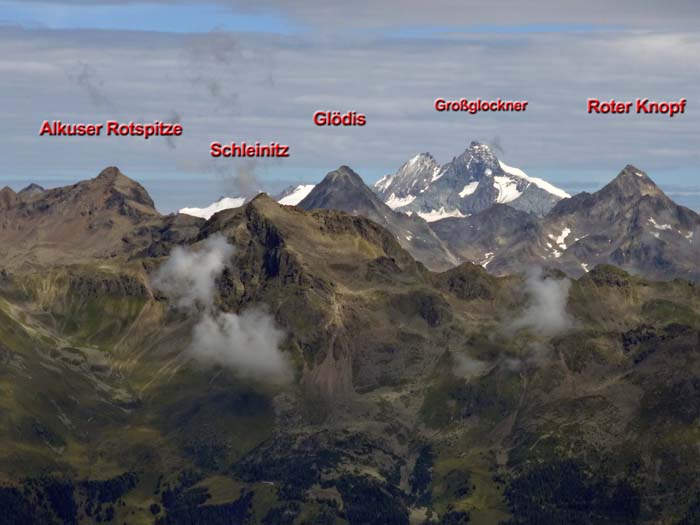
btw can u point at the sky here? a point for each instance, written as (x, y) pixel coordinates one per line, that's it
(233, 71)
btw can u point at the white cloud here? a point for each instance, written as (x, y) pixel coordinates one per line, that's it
(468, 367)
(189, 276)
(545, 313)
(248, 342)
(268, 87)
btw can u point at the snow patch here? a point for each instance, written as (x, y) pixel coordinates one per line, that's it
(507, 189)
(540, 183)
(659, 226)
(436, 215)
(562, 237)
(383, 183)
(220, 205)
(559, 240)
(585, 267)
(469, 189)
(397, 202)
(298, 194)
(437, 173)
(488, 257)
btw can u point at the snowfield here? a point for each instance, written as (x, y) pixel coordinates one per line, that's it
(540, 183)
(298, 195)
(220, 205)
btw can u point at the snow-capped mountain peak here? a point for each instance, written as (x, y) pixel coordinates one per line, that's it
(223, 203)
(541, 183)
(414, 176)
(295, 194)
(480, 154)
(471, 182)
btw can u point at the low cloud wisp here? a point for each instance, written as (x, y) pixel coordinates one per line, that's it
(469, 367)
(249, 342)
(545, 313)
(190, 276)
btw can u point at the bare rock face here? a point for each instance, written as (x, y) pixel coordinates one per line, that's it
(405, 383)
(31, 190)
(87, 218)
(344, 190)
(471, 182)
(629, 223)
(8, 197)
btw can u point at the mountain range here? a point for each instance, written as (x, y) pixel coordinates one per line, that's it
(478, 209)
(469, 183)
(630, 223)
(296, 364)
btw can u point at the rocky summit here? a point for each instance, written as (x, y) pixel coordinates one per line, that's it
(277, 365)
(469, 183)
(344, 190)
(629, 223)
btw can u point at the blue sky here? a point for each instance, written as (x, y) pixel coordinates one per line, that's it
(202, 17)
(179, 18)
(233, 71)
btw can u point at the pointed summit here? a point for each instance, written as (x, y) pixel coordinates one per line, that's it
(342, 189)
(481, 153)
(472, 181)
(631, 183)
(31, 189)
(109, 173)
(123, 190)
(262, 201)
(345, 175)
(90, 218)
(419, 162)
(7, 197)
(416, 174)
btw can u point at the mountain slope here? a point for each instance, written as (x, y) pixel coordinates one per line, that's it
(481, 236)
(31, 189)
(630, 223)
(89, 217)
(293, 195)
(470, 183)
(344, 190)
(413, 393)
